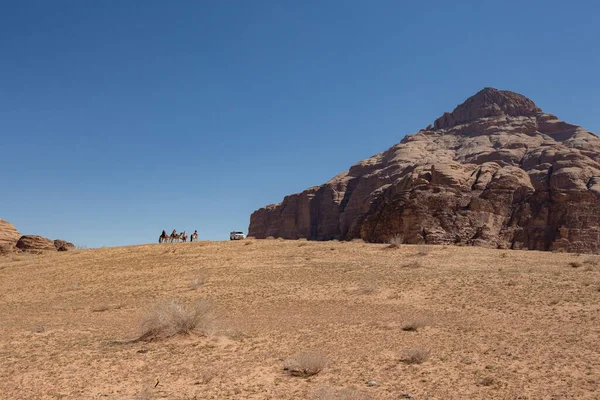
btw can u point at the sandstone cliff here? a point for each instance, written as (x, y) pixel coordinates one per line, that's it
(495, 172)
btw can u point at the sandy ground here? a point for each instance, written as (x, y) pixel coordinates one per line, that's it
(497, 324)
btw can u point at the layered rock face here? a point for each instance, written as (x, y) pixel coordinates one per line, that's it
(34, 243)
(496, 172)
(12, 241)
(8, 233)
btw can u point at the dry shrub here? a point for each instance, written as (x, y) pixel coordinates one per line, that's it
(503, 255)
(413, 265)
(414, 324)
(574, 264)
(200, 280)
(414, 356)
(166, 319)
(105, 307)
(60, 306)
(486, 381)
(423, 250)
(238, 336)
(247, 243)
(329, 393)
(368, 288)
(305, 364)
(396, 240)
(554, 301)
(205, 376)
(145, 394)
(592, 260)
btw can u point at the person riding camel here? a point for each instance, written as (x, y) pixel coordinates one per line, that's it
(194, 236)
(163, 237)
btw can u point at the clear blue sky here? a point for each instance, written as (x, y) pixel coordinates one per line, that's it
(122, 118)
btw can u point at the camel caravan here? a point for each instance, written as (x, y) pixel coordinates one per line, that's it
(176, 237)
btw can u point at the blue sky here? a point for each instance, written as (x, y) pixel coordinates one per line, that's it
(122, 118)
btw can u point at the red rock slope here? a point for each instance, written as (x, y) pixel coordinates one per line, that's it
(496, 172)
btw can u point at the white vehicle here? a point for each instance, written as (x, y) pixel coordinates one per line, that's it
(234, 235)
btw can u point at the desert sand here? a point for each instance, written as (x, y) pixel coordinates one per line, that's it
(487, 324)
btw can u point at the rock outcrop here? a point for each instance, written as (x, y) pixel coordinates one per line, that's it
(35, 244)
(63, 245)
(8, 233)
(12, 241)
(496, 172)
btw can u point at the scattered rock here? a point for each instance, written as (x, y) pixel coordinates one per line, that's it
(372, 383)
(63, 245)
(496, 172)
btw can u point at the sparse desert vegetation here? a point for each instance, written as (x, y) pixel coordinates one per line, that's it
(168, 318)
(413, 324)
(481, 326)
(305, 364)
(395, 241)
(200, 280)
(329, 393)
(414, 355)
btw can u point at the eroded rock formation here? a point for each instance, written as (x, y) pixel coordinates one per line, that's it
(63, 245)
(8, 233)
(495, 172)
(12, 241)
(35, 243)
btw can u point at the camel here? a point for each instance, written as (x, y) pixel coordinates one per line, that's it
(174, 237)
(163, 237)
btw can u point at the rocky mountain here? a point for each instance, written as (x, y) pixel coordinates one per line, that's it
(496, 172)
